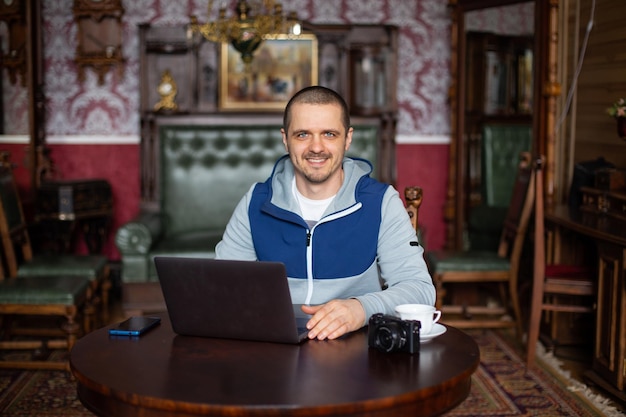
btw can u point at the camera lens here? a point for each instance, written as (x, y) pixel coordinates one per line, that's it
(390, 337)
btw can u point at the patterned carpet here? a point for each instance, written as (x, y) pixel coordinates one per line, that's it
(39, 393)
(502, 386)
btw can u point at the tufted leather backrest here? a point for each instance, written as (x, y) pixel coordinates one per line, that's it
(204, 170)
(501, 148)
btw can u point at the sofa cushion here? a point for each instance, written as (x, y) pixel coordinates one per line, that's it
(44, 290)
(470, 261)
(91, 266)
(198, 244)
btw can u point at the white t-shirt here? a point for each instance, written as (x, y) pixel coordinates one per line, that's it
(312, 210)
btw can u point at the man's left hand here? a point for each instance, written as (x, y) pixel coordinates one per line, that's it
(335, 318)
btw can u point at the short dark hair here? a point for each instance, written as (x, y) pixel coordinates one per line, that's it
(317, 95)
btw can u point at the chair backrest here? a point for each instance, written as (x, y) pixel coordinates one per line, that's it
(539, 257)
(519, 211)
(413, 199)
(13, 227)
(501, 146)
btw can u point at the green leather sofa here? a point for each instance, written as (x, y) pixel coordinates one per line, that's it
(194, 172)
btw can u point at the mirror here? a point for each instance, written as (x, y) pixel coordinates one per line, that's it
(502, 102)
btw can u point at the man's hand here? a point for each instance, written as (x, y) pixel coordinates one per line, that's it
(334, 319)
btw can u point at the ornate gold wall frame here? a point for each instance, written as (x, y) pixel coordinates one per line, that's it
(281, 66)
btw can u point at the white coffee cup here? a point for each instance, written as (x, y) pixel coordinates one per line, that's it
(426, 314)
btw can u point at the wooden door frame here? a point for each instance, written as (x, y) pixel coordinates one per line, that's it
(546, 91)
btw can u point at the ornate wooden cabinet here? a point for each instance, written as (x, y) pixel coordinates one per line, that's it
(66, 209)
(583, 236)
(169, 50)
(609, 361)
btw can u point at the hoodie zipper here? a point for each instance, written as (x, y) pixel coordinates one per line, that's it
(309, 247)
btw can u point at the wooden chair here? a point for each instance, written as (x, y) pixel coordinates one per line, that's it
(487, 269)
(413, 200)
(20, 261)
(552, 282)
(63, 297)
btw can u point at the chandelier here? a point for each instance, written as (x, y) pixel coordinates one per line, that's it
(249, 27)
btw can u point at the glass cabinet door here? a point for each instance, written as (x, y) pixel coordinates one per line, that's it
(373, 65)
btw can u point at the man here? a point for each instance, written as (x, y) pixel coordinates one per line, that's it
(341, 234)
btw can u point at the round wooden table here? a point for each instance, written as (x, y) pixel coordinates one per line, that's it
(162, 374)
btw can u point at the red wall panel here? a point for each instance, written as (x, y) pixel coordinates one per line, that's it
(426, 166)
(422, 165)
(118, 164)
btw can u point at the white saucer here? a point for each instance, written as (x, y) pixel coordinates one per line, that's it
(437, 330)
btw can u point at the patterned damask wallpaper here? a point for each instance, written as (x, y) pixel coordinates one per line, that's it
(112, 109)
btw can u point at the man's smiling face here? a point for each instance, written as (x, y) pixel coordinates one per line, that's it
(316, 141)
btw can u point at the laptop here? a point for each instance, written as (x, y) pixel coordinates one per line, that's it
(246, 300)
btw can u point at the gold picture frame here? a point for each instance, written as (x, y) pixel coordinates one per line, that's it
(281, 66)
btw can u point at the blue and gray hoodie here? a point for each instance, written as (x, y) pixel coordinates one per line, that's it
(364, 246)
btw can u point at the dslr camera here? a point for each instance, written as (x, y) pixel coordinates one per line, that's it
(391, 334)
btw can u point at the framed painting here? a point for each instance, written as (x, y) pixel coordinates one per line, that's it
(281, 66)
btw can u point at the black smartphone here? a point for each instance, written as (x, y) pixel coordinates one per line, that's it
(134, 326)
